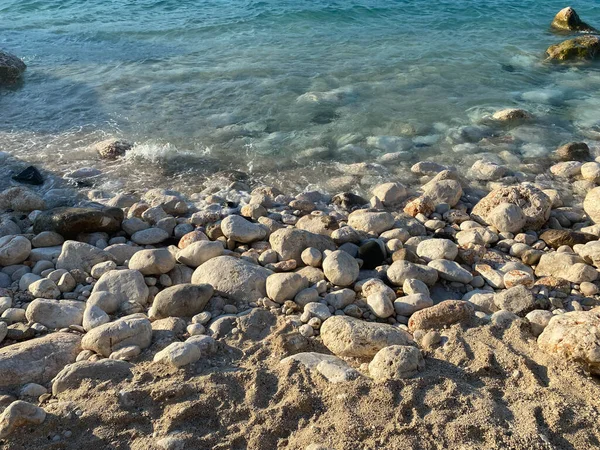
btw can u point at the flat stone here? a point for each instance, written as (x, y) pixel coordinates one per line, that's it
(73, 375)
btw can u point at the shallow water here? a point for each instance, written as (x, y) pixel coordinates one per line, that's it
(287, 91)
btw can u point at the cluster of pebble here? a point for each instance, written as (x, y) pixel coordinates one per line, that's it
(89, 288)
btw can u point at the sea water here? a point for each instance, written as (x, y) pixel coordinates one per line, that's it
(292, 92)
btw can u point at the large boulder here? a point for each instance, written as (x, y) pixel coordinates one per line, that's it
(568, 20)
(579, 48)
(124, 285)
(574, 336)
(233, 278)
(534, 204)
(74, 374)
(19, 414)
(347, 336)
(371, 221)
(182, 300)
(37, 360)
(113, 336)
(14, 250)
(21, 199)
(340, 268)
(241, 230)
(79, 255)
(402, 270)
(566, 266)
(69, 222)
(55, 313)
(591, 204)
(11, 67)
(154, 261)
(289, 243)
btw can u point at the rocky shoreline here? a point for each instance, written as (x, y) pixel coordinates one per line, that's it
(461, 311)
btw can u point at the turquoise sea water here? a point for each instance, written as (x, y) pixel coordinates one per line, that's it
(287, 90)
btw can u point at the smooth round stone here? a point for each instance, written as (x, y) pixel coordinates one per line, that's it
(433, 249)
(14, 250)
(451, 271)
(507, 217)
(396, 362)
(285, 286)
(340, 268)
(44, 288)
(152, 261)
(381, 305)
(588, 289)
(199, 252)
(47, 239)
(149, 236)
(312, 257)
(241, 230)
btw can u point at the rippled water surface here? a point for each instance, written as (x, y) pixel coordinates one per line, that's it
(290, 91)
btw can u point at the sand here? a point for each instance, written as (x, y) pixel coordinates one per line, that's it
(484, 388)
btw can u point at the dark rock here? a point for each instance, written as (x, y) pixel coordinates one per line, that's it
(518, 300)
(573, 151)
(557, 238)
(29, 176)
(69, 222)
(372, 254)
(348, 200)
(11, 67)
(405, 254)
(20, 332)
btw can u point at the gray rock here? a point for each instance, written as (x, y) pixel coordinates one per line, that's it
(431, 249)
(113, 336)
(396, 362)
(93, 317)
(55, 314)
(233, 278)
(20, 413)
(124, 286)
(73, 375)
(154, 261)
(284, 286)
(349, 337)
(334, 369)
(371, 221)
(14, 249)
(150, 236)
(44, 288)
(289, 243)
(47, 239)
(20, 363)
(182, 300)
(400, 271)
(179, 354)
(78, 255)
(409, 304)
(451, 271)
(241, 230)
(197, 253)
(518, 300)
(21, 199)
(340, 268)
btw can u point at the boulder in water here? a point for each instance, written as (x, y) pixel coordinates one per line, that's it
(568, 20)
(579, 48)
(11, 67)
